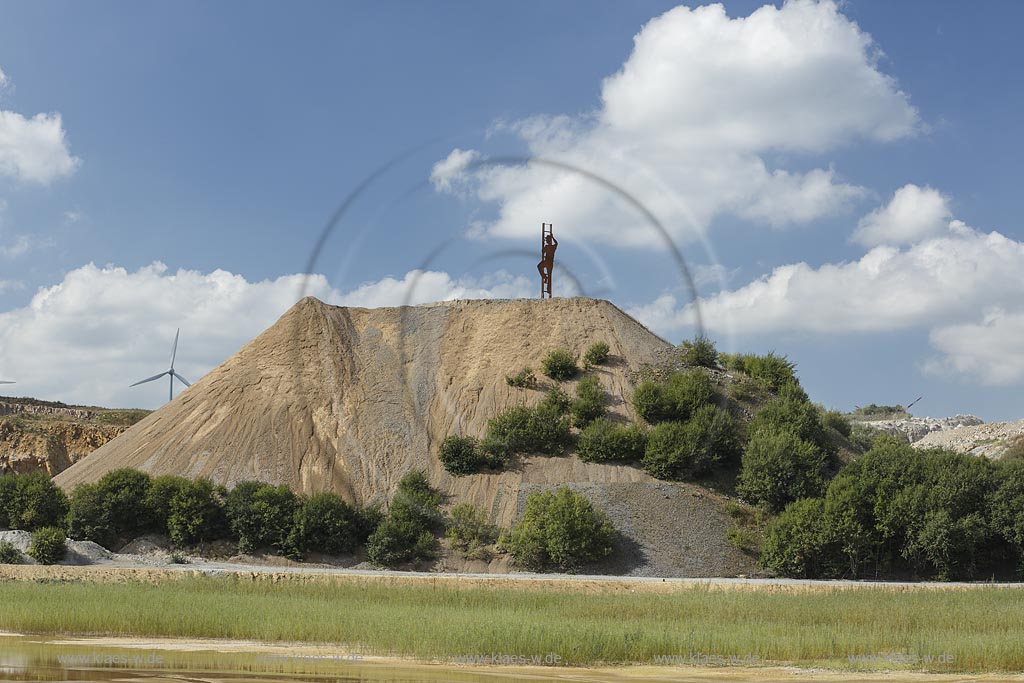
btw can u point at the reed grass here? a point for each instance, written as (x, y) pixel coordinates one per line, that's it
(982, 629)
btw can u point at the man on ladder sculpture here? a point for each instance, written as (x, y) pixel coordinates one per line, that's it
(548, 244)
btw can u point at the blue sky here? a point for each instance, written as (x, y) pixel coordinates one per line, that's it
(192, 152)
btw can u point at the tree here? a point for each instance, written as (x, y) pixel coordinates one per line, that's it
(603, 441)
(196, 513)
(795, 541)
(560, 530)
(460, 455)
(324, 523)
(89, 516)
(34, 502)
(162, 490)
(125, 492)
(778, 468)
(261, 515)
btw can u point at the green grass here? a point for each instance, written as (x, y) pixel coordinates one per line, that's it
(981, 628)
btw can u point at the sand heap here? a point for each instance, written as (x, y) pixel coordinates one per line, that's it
(351, 399)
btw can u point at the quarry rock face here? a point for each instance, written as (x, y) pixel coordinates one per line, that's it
(350, 400)
(51, 447)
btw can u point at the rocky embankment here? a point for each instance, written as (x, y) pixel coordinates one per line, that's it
(961, 433)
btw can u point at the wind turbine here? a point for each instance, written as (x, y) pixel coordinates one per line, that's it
(6, 382)
(170, 373)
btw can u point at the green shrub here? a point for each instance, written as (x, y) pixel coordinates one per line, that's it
(196, 513)
(1007, 503)
(780, 467)
(863, 436)
(559, 365)
(649, 402)
(530, 430)
(590, 402)
(261, 515)
(833, 419)
(556, 400)
(733, 361)
(324, 523)
(33, 501)
(524, 379)
(162, 490)
(469, 530)
(742, 538)
(8, 498)
(461, 455)
(597, 354)
(794, 542)
(604, 441)
(686, 392)
(790, 412)
(366, 521)
(177, 557)
(89, 516)
(125, 492)
(559, 530)
(9, 554)
(676, 399)
(701, 352)
(685, 450)
(771, 370)
(48, 545)
(406, 533)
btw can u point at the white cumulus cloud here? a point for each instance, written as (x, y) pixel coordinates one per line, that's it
(87, 338)
(34, 149)
(912, 214)
(989, 351)
(685, 124)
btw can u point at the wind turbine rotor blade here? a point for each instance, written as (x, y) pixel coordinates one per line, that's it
(150, 379)
(174, 349)
(181, 379)
(6, 382)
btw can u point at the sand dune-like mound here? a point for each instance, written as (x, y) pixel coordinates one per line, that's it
(351, 399)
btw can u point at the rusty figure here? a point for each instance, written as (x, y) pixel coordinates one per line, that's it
(547, 259)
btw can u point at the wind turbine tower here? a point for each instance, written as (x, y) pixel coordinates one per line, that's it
(172, 373)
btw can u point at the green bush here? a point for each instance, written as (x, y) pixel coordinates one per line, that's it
(32, 501)
(590, 402)
(780, 467)
(406, 533)
(1007, 503)
(125, 492)
(89, 517)
(559, 530)
(794, 542)
(9, 554)
(8, 496)
(530, 430)
(732, 361)
(685, 450)
(790, 411)
(196, 513)
(261, 515)
(833, 419)
(701, 352)
(461, 455)
(524, 379)
(597, 354)
(676, 400)
(469, 530)
(48, 545)
(556, 400)
(559, 365)
(604, 441)
(162, 490)
(649, 402)
(771, 370)
(324, 523)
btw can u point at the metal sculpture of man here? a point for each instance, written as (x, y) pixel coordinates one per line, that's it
(548, 244)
